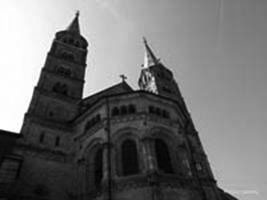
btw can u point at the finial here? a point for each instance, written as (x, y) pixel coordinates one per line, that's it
(123, 77)
(144, 40)
(77, 13)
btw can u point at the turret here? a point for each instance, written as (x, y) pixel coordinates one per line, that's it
(158, 79)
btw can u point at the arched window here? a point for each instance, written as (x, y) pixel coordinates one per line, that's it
(57, 141)
(129, 158)
(64, 89)
(60, 88)
(151, 109)
(158, 111)
(115, 111)
(165, 114)
(98, 118)
(93, 121)
(63, 71)
(71, 41)
(88, 125)
(67, 56)
(131, 109)
(98, 167)
(41, 138)
(123, 110)
(77, 44)
(163, 156)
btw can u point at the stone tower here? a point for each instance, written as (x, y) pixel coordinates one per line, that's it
(158, 79)
(60, 87)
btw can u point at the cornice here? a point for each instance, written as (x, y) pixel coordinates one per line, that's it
(49, 123)
(43, 152)
(50, 94)
(112, 98)
(53, 56)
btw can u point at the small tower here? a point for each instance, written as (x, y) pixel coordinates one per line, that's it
(60, 87)
(156, 78)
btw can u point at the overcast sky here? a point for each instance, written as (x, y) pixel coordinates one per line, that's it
(216, 49)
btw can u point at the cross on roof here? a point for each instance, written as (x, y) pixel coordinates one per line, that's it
(123, 77)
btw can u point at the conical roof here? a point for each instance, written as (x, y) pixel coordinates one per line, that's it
(149, 59)
(74, 27)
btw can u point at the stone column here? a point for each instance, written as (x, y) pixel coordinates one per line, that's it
(105, 160)
(107, 182)
(148, 156)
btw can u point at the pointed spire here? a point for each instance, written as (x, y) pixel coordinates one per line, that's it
(74, 26)
(149, 59)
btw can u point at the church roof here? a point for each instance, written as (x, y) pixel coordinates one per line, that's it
(74, 27)
(119, 88)
(7, 142)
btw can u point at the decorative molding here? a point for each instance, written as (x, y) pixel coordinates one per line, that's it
(49, 123)
(44, 153)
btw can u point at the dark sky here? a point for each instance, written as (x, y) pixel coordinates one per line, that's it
(216, 49)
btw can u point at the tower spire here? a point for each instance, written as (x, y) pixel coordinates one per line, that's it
(149, 59)
(74, 27)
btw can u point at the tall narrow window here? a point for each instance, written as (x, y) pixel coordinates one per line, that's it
(158, 111)
(129, 158)
(88, 125)
(41, 138)
(131, 108)
(57, 141)
(115, 111)
(165, 114)
(98, 167)
(163, 156)
(98, 118)
(123, 110)
(151, 109)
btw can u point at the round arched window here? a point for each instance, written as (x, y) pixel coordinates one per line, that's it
(129, 157)
(163, 156)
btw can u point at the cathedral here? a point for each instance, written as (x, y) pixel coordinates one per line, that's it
(117, 144)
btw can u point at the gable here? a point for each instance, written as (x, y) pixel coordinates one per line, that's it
(120, 88)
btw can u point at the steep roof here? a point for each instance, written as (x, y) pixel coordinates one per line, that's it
(150, 58)
(74, 27)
